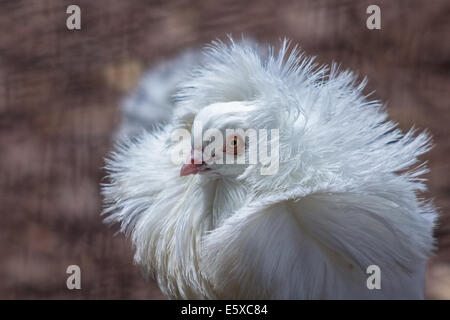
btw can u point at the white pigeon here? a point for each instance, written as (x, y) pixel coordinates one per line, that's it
(343, 202)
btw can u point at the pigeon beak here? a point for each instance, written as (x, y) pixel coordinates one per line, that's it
(192, 168)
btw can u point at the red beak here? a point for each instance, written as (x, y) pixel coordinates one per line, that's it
(192, 168)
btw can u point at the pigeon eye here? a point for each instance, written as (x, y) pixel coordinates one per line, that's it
(233, 145)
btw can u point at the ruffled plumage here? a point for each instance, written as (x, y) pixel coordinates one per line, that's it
(345, 195)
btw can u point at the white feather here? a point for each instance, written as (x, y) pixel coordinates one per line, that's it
(345, 196)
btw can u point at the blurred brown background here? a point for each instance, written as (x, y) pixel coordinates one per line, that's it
(59, 97)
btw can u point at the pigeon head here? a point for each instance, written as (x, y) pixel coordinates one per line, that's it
(221, 135)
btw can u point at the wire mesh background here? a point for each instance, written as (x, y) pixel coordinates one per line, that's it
(59, 97)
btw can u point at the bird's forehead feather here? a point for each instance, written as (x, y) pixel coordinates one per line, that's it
(221, 114)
